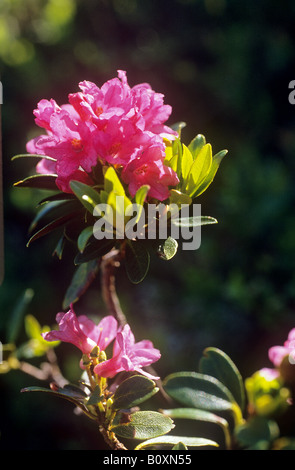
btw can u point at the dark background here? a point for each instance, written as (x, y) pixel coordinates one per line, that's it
(224, 66)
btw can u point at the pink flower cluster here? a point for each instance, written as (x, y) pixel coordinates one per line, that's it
(85, 334)
(277, 353)
(114, 124)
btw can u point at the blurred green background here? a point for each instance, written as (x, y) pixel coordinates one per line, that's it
(224, 66)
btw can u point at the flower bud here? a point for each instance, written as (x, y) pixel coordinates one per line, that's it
(266, 392)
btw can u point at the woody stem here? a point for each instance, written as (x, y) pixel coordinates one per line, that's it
(109, 263)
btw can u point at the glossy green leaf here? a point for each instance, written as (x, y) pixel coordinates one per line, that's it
(94, 250)
(141, 194)
(133, 391)
(219, 365)
(53, 210)
(178, 126)
(87, 195)
(34, 155)
(83, 277)
(179, 198)
(57, 197)
(170, 440)
(186, 164)
(195, 221)
(144, 425)
(200, 415)
(112, 182)
(198, 391)
(84, 238)
(39, 182)
(216, 160)
(197, 144)
(137, 261)
(58, 250)
(57, 223)
(199, 169)
(69, 392)
(168, 249)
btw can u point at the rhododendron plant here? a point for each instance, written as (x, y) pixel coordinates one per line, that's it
(107, 153)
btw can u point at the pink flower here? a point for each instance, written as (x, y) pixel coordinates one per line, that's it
(128, 356)
(82, 332)
(148, 169)
(114, 124)
(277, 353)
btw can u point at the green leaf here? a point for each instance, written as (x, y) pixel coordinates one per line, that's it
(197, 144)
(199, 169)
(170, 440)
(144, 425)
(198, 391)
(168, 249)
(133, 391)
(211, 174)
(94, 250)
(195, 221)
(186, 164)
(30, 155)
(218, 364)
(17, 315)
(95, 397)
(39, 182)
(87, 195)
(178, 126)
(58, 250)
(57, 197)
(179, 198)
(57, 223)
(256, 431)
(83, 277)
(141, 194)
(112, 182)
(137, 261)
(84, 238)
(201, 415)
(69, 392)
(202, 391)
(53, 210)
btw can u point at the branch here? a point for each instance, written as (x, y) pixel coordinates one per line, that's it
(109, 263)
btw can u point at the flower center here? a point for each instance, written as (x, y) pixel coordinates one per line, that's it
(114, 149)
(99, 111)
(77, 145)
(142, 170)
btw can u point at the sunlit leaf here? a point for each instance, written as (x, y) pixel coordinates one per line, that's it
(168, 249)
(38, 181)
(144, 425)
(87, 195)
(170, 440)
(218, 364)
